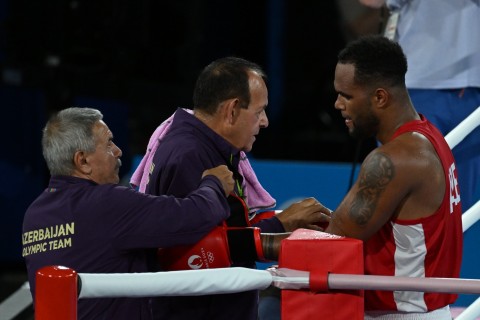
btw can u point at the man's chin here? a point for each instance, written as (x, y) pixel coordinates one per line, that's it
(247, 149)
(116, 180)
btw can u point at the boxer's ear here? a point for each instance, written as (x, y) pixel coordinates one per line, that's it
(380, 98)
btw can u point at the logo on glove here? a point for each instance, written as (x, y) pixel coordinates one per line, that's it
(210, 256)
(196, 262)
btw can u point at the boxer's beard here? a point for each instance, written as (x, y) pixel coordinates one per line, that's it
(365, 126)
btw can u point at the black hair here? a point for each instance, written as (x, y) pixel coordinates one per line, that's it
(376, 60)
(223, 79)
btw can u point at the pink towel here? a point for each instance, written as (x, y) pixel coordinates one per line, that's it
(256, 196)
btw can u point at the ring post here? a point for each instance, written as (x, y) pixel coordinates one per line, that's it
(320, 254)
(56, 294)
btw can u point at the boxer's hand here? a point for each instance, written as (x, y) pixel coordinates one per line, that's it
(308, 213)
(224, 175)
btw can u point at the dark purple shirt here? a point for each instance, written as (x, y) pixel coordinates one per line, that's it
(187, 149)
(95, 228)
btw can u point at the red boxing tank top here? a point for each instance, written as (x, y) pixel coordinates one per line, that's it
(425, 247)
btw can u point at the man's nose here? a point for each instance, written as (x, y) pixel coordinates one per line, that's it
(264, 120)
(118, 152)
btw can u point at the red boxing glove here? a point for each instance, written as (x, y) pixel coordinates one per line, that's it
(218, 249)
(210, 252)
(245, 245)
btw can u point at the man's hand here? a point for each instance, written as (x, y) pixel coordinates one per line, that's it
(224, 175)
(308, 213)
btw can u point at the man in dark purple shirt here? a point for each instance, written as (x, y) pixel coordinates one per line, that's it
(230, 99)
(85, 221)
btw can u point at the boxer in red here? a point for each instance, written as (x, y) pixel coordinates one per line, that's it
(405, 204)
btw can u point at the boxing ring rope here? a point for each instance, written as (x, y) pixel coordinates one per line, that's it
(454, 137)
(173, 283)
(57, 287)
(463, 129)
(472, 215)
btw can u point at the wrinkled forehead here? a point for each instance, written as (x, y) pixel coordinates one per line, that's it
(101, 130)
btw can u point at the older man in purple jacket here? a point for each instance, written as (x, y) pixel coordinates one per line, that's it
(86, 221)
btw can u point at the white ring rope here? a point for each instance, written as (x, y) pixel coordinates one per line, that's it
(16, 303)
(230, 280)
(173, 283)
(471, 216)
(471, 312)
(463, 129)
